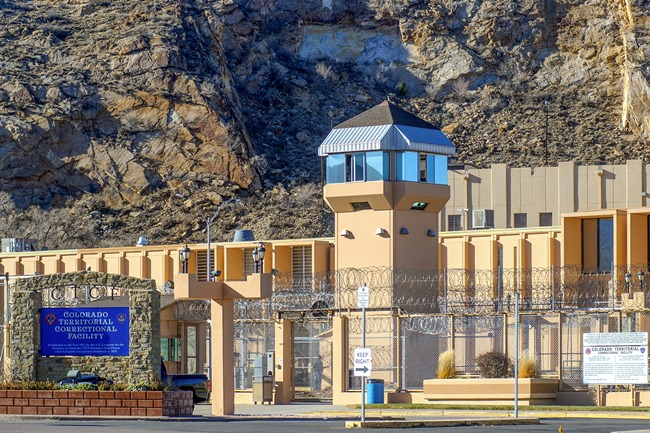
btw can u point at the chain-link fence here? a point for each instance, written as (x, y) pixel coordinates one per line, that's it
(381, 338)
(406, 349)
(254, 339)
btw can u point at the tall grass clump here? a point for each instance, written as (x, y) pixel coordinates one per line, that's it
(447, 365)
(527, 365)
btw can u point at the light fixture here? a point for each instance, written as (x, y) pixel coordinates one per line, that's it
(628, 279)
(258, 257)
(419, 205)
(403, 231)
(641, 278)
(379, 231)
(184, 255)
(431, 233)
(345, 233)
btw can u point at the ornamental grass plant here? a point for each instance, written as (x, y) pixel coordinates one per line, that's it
(447, 365)
(527, 365)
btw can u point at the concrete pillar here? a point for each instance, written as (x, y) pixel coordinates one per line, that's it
(283, 361)
(223, 369)
(26, 334)
(144, 335)
(339, 358)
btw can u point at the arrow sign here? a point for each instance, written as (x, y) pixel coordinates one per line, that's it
(362, 362)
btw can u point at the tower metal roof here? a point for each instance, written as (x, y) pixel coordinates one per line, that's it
(386, 127)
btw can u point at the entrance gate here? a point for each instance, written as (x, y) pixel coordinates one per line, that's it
(312, 359)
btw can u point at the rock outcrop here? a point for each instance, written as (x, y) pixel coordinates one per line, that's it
(129, 103)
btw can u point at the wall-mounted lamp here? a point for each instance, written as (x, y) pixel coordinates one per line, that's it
(431, 233)
(628, 280)
(466, 175)
(599, 170)
(258, 257)
(641, 279)
(403, 231)
(379, 231)
(184, 255)
(345, 233)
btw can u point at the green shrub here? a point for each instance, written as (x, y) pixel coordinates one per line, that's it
(86, 387)
(494, 364)
(447, 365)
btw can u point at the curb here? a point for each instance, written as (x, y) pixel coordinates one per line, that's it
(442, 423)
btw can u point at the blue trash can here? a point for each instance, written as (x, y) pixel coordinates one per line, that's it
(375, 391)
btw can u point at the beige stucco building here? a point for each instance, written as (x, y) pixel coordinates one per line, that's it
(417, 234)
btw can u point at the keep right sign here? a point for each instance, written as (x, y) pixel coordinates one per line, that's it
(362, 361)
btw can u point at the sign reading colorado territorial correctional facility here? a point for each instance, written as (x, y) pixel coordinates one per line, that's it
(616, 358)
(85, 331)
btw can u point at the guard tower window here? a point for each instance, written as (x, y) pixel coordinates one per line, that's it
(354, 167)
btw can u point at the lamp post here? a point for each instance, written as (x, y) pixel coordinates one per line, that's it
(641, 278)
(208, 222)
(7, 295)
(628, 279)
(546, 104)
(258, 257)
(184, 255)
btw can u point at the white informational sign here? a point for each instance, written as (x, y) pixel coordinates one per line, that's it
(615, 358)
(363, 297)
(362, 362)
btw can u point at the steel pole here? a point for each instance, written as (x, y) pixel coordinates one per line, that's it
(516, 354)
(208, 222)
(363, 380)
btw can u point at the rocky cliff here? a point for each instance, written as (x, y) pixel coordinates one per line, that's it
(109, 109)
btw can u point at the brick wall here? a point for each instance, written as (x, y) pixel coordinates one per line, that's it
(98, 403)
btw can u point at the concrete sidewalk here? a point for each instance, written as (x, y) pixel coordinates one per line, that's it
(328, 411)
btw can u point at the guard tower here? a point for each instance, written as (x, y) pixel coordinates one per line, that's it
(386, 181)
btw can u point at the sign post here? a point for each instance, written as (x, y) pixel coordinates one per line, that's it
(363, 300)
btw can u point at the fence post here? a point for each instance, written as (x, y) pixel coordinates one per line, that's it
(400, 349)
(452, 331)
(505, 333)
(552, 288)
(613, 288)
(560, 354)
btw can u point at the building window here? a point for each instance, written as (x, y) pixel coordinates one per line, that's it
(170, 349)
(454, 223)
(545, 219)
(202, 265)
(354, 167)
(407, 166)
(377, 166)
(301, 267)
(360, 205)
(597, 245)
(358, 167)
(521, 220)
(249, 263)
(192, 353)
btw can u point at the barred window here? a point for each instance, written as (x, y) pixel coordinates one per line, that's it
(453, 223)
(545, 219)
(521, 220)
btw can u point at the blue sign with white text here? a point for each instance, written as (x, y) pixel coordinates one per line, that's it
(85, 331)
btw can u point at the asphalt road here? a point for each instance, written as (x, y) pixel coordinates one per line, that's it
(9, 425)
